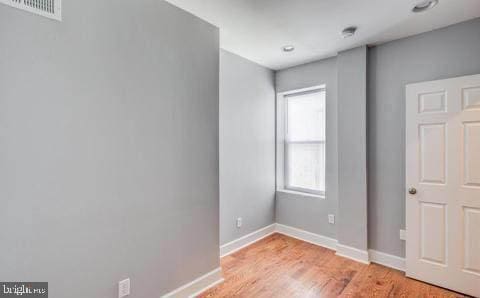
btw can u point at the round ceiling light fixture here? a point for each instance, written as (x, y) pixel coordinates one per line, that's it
(288, 48)
(349, 31)
(425, 5)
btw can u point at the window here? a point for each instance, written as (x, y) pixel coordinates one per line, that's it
(305, 141)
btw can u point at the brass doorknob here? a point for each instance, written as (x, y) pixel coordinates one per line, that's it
(412, 190)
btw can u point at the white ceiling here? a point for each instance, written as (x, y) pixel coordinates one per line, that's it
(258, 29)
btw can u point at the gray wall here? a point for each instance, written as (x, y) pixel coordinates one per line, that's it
(307, 213)
(108, 148)
(352, 148)
(247, 146)
(444, 53)
(449, 52)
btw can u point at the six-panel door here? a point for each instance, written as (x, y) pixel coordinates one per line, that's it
(443, 165)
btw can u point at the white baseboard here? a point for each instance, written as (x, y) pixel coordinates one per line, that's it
(353, 253)
(341, 250)
(197, 286)
(307, 236)
(387, 260)
(246, 240)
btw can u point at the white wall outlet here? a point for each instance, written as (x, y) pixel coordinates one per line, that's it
(239, 222)
(403, 235)
(331, 219)
(124, 288)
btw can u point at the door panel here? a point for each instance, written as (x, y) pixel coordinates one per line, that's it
(432, 103)
(433, 233)
(471, 162)
(443, 165)
(432, 153)
(472, 240)
(471, 98)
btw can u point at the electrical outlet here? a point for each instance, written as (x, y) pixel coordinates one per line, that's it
(331, 219)
(403, 235)
(124, 288)
(239, 222)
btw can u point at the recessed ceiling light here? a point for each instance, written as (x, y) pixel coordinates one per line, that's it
(425, 5)
(288, 48)
(349, 31)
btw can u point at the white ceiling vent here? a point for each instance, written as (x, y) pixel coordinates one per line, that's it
(48, 8)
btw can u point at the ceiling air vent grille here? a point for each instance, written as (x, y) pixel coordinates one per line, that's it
(47, 8)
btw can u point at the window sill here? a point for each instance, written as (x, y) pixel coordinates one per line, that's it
(301, 194)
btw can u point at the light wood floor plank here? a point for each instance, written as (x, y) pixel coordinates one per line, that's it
(279, 266)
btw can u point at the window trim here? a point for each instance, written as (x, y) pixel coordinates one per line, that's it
(286, 142)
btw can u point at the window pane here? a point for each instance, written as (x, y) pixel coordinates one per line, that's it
(306, 166)
(306, 117)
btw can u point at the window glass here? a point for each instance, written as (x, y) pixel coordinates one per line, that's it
(306, 166)
(305, 142)
(306, 117)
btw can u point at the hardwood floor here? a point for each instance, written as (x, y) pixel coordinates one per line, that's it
(280, 266)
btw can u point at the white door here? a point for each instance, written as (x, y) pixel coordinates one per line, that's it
(443, 181)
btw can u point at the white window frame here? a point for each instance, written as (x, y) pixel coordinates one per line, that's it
(283, 140)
